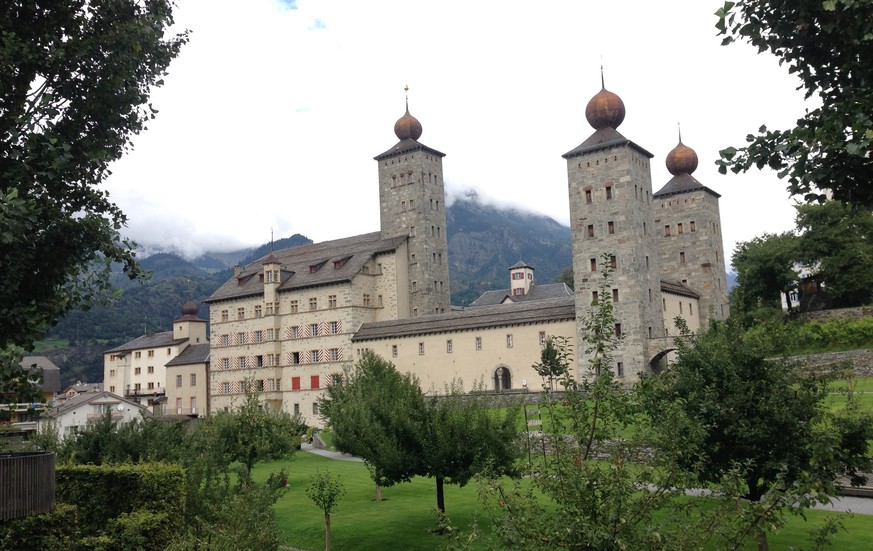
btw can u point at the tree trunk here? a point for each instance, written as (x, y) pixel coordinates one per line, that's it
(441, 501)
(378, 493)
(762, 540)
(327, 532)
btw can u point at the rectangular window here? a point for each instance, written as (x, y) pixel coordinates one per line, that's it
(295, 358)
(593, 264)
(295, 332)
(313, 381)
(313, 329)
(225, 388)
(240, 313)
(314, 356)
(137, 386)
(112, 373)
(259, 336)
(150, 369)
(508, 341)
(609, 192)
(393, 350)
(613, 262)
(225, 363)
(331, 301)
(478, 343)
(269, 334)
(588, 196)
(366, 300)
(449, 346)
(193, 403)
(178, 381)
(617, 329)
(542, 338)
(681, 257)
(193, 379)
(151, 386)
(269, 308)
(137, 370)
(151, 353)
(679, 228)
(271, 359)
(693, 226)
(619, 368)
(225, 340)
(680, 307)
(240, 338)
(690, 310)
(421, 349)
(615, 295)
(334, 327)
(259, 311)
(667, 230)
(259, 360)
(379, 298)
(590, 230)
(650, 332)
(297, 409)
(313, 304)
(294, 306)
(594, 296)
(241, 362)
(224, 315)
(610, 227)
(314, 408)
(334, 354)
(412, 231)
(295, 384)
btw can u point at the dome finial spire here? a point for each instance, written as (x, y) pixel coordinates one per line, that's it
(406, 90)
(602, 81)
(679, 126)
(407, 126)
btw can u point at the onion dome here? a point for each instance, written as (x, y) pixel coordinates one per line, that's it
(407, 127)
(605, 110)
(189, 309)
(682, 160)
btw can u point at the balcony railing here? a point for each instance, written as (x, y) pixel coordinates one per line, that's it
(134, 392)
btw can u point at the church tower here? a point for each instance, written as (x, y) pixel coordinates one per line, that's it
(688, 226)
(412, 203)
(610, 188)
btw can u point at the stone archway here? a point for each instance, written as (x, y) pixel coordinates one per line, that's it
(502, 379)
(659, 362)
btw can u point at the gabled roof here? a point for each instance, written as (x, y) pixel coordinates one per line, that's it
(85, 398)
(523, 313)
(604, 139)
(536, 292)
(149, 340)
(310, 265)
(194, 354)
(676, 288)
(51, 373)
(406, 146)
(682, 183)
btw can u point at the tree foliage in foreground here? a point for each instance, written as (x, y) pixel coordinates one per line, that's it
(766, 269)
(383, 417)
(74, 88)
(764, 420)
(828, 45)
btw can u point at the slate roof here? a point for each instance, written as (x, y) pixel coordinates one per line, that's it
(193, 354)
(677, 288)
(682, 183)
(89, 398)
(517, 313)
(310, 265)
(149, 340)
(536, 292)
(603, 139)
(51, 373)
(406, 146)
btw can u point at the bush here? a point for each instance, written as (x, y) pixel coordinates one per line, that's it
(53, 530)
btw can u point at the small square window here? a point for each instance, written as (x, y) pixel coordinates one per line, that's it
(313, 304)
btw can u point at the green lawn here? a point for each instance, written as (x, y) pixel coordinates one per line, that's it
(404, 519)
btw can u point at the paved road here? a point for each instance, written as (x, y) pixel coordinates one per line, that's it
(327, 453)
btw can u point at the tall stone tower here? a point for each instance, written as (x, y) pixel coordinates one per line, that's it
(610, 186)
(412, 202)
(688, 226)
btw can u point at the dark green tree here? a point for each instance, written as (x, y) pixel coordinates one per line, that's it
(566, 277)
(828, 45)
(378, 414)
(467, 435)
(74, 89)
(836, 244)
(766, 270)
(325, 491)
(764, 418)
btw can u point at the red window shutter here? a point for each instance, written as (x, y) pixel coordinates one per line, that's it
(313, 381)
(295, 383)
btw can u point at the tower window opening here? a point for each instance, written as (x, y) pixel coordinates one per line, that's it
(590, 230)
(608, 192)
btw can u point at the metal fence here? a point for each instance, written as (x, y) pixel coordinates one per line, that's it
(27, 484)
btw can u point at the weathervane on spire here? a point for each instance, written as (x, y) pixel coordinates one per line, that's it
(602, 82)
(679, 126)
(406, 89)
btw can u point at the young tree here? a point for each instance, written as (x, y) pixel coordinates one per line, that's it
(765, 419)
(466, 435)
(73, 90)
(325, 491)
(378, 414)
(827, 44)
(554, 361)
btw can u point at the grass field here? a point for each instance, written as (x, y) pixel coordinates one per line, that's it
(405, 520)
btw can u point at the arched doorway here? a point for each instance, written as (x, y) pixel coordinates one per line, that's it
(502, 379)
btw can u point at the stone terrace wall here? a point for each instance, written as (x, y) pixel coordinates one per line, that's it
(861, 361)
(856, 313)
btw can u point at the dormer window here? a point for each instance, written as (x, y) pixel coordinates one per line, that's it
(337, 264)
(315, 267)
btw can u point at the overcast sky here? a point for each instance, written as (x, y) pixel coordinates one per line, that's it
(272, 114)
